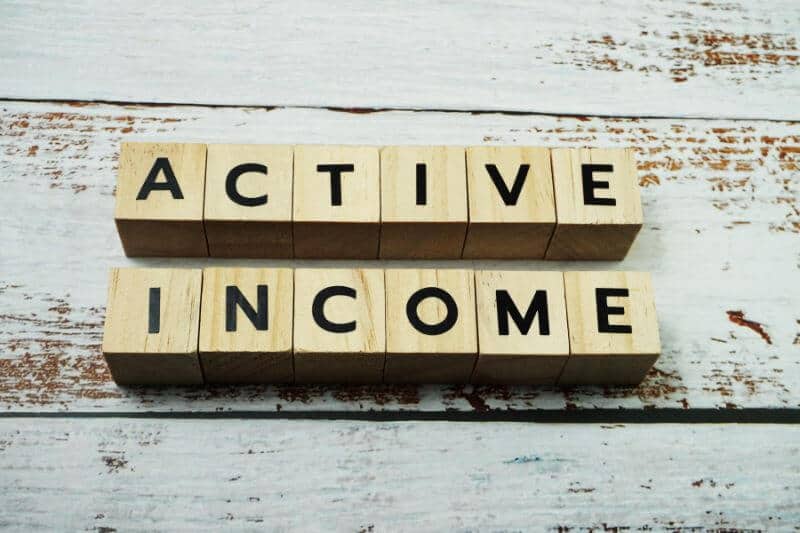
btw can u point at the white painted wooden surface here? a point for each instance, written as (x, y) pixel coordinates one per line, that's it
(719, 58)
(722, 220)
(185, 475)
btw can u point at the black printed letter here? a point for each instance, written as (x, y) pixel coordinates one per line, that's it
(603, 311)
(233, 176)
(234, 298)
(589, 184)
(506, 308)
(171, 183)
(432, 329)
(422, 184)
(318, 309)
(509, 197)
(336, 179)
(154, 311)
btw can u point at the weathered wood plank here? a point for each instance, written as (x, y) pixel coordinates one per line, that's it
(722, 218)
(132, 475)
(727, 59)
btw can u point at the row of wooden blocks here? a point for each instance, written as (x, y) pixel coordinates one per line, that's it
(365, 326)
(365, 202)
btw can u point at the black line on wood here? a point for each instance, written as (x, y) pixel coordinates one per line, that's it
(368, 110)
(572, 416)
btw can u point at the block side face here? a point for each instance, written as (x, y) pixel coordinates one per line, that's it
(507, 240)
(335, 240)
(638, 307)
(248, 239)
(543, 292)
(595, 242)
(339, 368)
(224, 160)
(403, 337)
(336, 306)
(495, 369)
(127, 323)
(155, 369)
(360, 189)
(247, 337)
(441, 368)
(445, 184)
(162, 238)
(422, 240)
(536, 201)
(623, 370)
(186, 162)
(247, 368)
(621, 184)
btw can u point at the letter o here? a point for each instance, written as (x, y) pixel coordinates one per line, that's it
(432, 329)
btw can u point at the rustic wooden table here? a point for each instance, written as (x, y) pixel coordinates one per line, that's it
(709, 94)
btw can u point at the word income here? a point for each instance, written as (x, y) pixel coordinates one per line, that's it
(369, 202)
(279, 325)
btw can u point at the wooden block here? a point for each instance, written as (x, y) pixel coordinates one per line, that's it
(598, 204)
(248, 206)
(522, 327)
(339, 326)
(336, 202)
(159, 209)
(511, 204)
(423, 202)
(152, 322)
(431, 333)
(613, 331)
(246, 325)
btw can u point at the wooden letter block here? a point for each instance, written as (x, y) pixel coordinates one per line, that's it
(613, 330)
(339, 326)
(248, 207)
(246, 325)
(430, 326)
(159, 208)
(598, 204)
(511, 207)
(336, 202)
(522, 327)
(423, 202)
(152, 323)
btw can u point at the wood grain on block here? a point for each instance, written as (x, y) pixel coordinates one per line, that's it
(613, 329)
(151, 327)
(598, 204)
(336, 209)
(339, 325)
(248, 200)
(246, 325)
(522, 327)
(430, 326)
(423, 202)
(511, 202)
(159, 199)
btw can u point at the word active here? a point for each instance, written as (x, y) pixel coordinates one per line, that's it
(357, 326)
(365, 202)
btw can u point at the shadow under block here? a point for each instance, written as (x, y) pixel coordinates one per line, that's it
(339, 326)
(598, 204)
(512, 210)
(159, 199)
(613, 328)
(248, 200)
(336, 212)
(522, 327)
(423, 202)
(151, 328)
(246, 325)
(430, 326)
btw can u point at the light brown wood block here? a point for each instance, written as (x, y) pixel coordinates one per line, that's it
(613, 330)
(336, 202)
(522, 327)
(511, 202)
(431, 334)
(151, 328)
(339, 326)
(423, 202)
(598, 204)
(246, 325)
(159, 199)
(248, 200)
